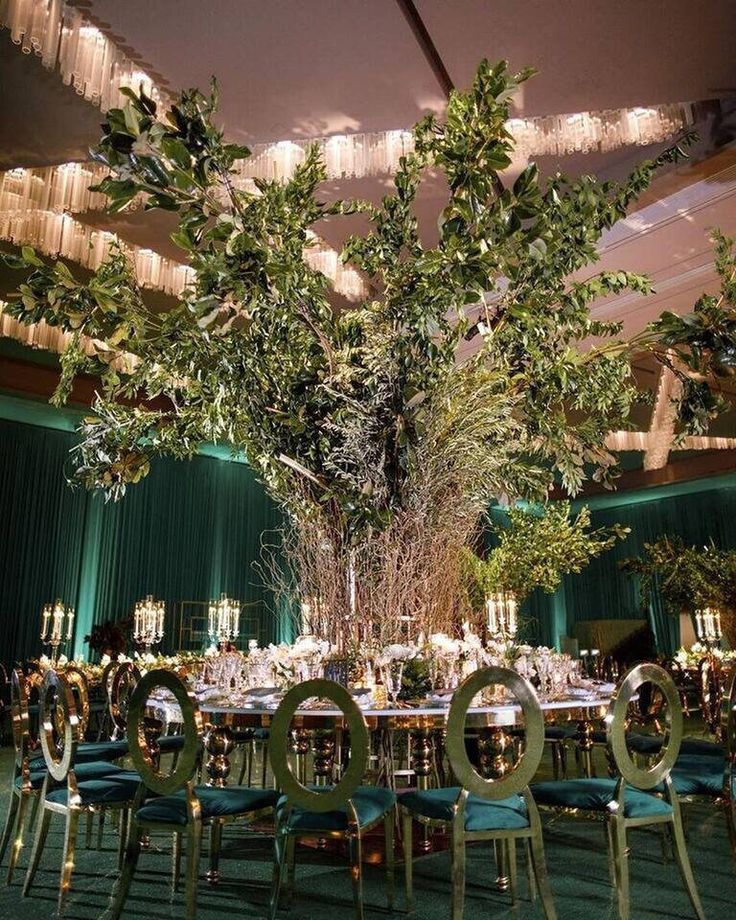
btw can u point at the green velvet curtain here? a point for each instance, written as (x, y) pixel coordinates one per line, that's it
(696, 511)
(186, 533)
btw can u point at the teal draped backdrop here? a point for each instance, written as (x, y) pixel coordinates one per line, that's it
(696, 511)
(194, 529)
(188, 532)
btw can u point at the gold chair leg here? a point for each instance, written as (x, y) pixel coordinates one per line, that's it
(683, 863)
(175, 861)
(34, 810)
(88, 834)
(279, 869)
(406, 839)
(67, 864)
(530, 870)
(457, 848)
(290, 869)
(42, 829)
(356, 873)
(621, 859)
(540, 874)
(251, 755)
(388, 836)
(20, 819)
(264, 764)
(194, 839)
(122, 885)
(123, 824)
(9, 823)
(100, 827)
(729, 810)
(511, 857)
(213, 875)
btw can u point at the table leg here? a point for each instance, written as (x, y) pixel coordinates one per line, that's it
(585, 746)
(218, 742)
(493, 743)
(300, 739)
(323, 752)
(421, 763)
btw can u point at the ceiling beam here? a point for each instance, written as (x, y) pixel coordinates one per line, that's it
(426, 45)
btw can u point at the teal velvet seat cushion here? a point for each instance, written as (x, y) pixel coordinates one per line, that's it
(560, 732)
(243, 735)
(101, 750)
(698, 774)
(169, 743)
(597, 795)
(84, 771)
(371, 803)
(109, 790)
(216, 803)
(652, 744)
(261, 734)
(480, 814)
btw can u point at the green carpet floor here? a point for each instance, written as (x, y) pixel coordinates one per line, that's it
(576, 859)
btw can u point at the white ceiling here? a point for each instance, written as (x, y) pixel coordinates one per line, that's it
(289, 68)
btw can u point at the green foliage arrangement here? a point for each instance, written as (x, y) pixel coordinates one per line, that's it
(687, 578)
(358, 419)
(535, 550)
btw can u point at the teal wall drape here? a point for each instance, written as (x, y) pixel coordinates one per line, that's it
(696, 511)
(188, 532)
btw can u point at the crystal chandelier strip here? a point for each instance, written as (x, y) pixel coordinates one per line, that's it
(88, 60)
(65, 41)
(57, 234)
(65, 188)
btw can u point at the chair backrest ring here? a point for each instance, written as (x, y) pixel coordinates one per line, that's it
(144, 760)
(279, 742)
(19, 715)
(616, 719)
(462, 767)
(129, 673)
(78, 680)
(63, 716)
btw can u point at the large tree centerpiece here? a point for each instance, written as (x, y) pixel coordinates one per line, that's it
(383, 448)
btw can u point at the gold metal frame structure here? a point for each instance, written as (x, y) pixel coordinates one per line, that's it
(300, 796)
(143, 733)
(59, 730)
(514, 782)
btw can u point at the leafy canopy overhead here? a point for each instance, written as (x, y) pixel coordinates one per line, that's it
(337, 409)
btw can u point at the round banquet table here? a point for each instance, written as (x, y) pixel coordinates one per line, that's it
(318, 728)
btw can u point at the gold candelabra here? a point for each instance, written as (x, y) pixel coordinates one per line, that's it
(224, 620)
(501, 609)
(148, 622)
(57, 626)
(708, 626)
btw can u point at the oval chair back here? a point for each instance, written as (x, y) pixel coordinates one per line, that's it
(298, 795)
(728, 723)
(518, 779)
(20, 718)
(670, 719)
(143, 736)
(79, 685)
(120, 688)
(58, 727)
(710, 687)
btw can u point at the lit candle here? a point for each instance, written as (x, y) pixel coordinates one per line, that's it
(512, 616)
(718, 624)
(69, 622)
(56, 625)
(45, 622)
(699, 624)
(491, 608)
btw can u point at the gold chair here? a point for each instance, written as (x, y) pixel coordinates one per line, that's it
(25, 782)
(68, 789)
(346, 811)
(500, 810)
(628, 800)
(178, 806)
